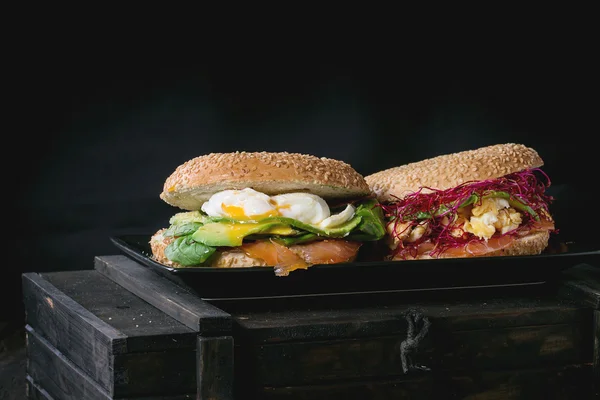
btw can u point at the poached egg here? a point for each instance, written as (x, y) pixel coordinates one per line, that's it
(250, 205)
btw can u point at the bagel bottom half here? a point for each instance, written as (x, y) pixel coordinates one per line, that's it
(221, 259)
(531, 244)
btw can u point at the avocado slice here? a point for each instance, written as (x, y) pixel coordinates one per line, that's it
(189, 217)
(232, 234)
(303, 238)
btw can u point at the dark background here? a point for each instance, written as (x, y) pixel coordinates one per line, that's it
(109, 128)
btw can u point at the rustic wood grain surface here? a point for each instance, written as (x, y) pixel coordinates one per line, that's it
(81, 322)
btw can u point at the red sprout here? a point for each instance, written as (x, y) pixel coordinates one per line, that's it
(439, 209)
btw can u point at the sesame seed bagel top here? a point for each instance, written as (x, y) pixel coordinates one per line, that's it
(193, 182)
(449, 170)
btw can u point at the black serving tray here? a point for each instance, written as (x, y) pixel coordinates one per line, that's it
(368, 276)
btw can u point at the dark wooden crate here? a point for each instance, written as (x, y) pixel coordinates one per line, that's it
(490, 344)
(58, 378)
(88, 337)
(501, 349)
(582, 285)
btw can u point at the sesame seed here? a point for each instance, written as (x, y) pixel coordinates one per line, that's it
(197, 179)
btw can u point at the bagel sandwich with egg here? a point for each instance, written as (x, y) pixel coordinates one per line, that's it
(284, 210)
(485, 202)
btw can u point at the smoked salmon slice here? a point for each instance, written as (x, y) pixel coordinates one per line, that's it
(327, 251)
(475, 248)
(283, 259)
(301, 256)
(481, 248)
(478, 248)
(543, 225)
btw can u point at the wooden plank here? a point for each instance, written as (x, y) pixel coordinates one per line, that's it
(299, 363)
(560, 383)
(55, 373)
(582, 285)
(49, 369)
(160, 352)
(214, 368)
(146, 328)
(322, 324)
(87, 340)
(35, 392)
(165, 295)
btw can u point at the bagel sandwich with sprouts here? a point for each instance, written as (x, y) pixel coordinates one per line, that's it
(484, 202)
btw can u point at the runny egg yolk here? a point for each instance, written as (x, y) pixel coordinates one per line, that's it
(237, 212)
(251, 205)
(240, 205)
